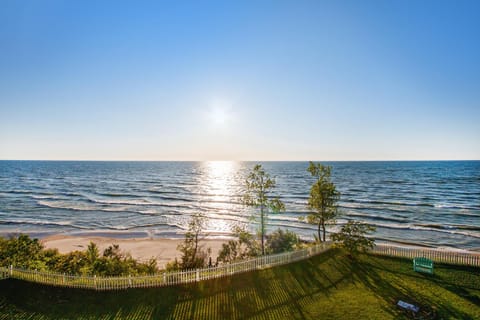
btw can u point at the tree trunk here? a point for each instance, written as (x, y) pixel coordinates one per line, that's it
(319, 234)
(323, 229)
(196, 248)
(262, 229)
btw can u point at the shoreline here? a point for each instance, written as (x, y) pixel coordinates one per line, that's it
(163, 250)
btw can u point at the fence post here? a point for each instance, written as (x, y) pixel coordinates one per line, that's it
(95, 281)
(129, 281)
(11, 270)
(197, 275)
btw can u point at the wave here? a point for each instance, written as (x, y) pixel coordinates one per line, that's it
(376, 217)
(390, 203)
(404, 243)
(417, 227)
(454, 206)
(115, 194)
(138, 202)
(116, 207)
(66, 205)
(19, 191)
(449, 227)
(42, 223)
(39, 197)
(361, 207)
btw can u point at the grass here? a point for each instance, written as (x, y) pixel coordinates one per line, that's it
(329, 286)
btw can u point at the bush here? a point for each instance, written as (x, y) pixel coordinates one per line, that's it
(282, 241)
(24, 252)
(72, 263)
(352, 237)
(246, 246)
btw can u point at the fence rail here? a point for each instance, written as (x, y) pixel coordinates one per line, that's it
(263, 262)
(437, 255)
(161, 279)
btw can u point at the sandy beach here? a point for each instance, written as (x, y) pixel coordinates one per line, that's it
(142, 249)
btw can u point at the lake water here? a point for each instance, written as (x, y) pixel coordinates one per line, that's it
(430, 203)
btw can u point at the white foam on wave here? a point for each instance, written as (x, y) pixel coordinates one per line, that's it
(445, 229)
(63, 223)
(39, 197)
(67, 205)
(122, 201)
(453, 206)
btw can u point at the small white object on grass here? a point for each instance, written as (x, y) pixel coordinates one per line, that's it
(408, 306)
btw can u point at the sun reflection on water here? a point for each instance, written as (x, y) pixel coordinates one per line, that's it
(219, 178)
(220, 189)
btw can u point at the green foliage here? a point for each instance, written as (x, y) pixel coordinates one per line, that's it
(352, 237)
(193, 254)
(323, 199)
(244, 247)
(173, 265)
(72, 263)
(50, 257)
(24, 252)
(92, 252)
(327, 286)
(115, 262)
(281, 241)
(258, 186)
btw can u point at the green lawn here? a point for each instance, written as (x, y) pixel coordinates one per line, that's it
(329, 286)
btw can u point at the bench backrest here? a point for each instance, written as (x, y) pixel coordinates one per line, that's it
(423, 261)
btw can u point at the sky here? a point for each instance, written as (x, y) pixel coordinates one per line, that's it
(240, 80)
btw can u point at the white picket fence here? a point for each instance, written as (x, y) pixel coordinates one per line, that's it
(162, 279)
(438, 255)
(263, 262)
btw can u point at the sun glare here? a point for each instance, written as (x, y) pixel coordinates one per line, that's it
(219, 176)
(219, 187)
(219, 113)
(219, 116)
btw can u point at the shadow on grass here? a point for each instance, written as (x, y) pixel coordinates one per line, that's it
(62, 303)
(393, 284)
(290, 291)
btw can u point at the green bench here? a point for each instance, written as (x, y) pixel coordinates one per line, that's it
(422, 264)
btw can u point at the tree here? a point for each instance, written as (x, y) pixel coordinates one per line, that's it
(323, 198)
(193, 255)
(258, 185)
(352, 237)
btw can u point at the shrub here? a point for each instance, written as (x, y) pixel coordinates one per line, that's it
(244, 247)
(352, 237)
(24, 252)
(281, 241)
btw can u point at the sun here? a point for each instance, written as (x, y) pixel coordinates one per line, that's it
(219, 113)
(219, 116)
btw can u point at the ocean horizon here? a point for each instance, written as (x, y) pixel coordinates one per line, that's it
(426, 203)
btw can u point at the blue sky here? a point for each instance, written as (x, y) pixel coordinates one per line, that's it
(240, 80)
